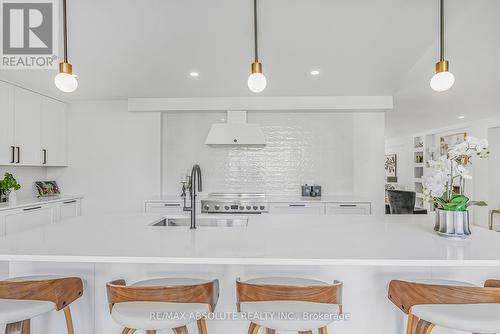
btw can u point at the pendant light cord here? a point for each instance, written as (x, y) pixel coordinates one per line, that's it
(65, 33)
(255, 27)
(442, 30)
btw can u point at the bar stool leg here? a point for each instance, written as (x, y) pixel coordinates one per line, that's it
(202, 326)
(128, 331)
(323, 330)
(151, 332)
(411, 323)
(270, 331)
(305, 332)
(180, 330)
(424, 327)
(69, 320)
(21, 327)
(253, 328)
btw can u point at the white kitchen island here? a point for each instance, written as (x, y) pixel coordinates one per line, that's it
(365, 252)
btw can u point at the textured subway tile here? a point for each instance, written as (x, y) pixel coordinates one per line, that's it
(300, 148)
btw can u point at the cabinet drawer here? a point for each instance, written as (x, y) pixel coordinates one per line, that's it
(165, 208)
(297, 208)
(28, 218)
(69, 209)
(348, 208)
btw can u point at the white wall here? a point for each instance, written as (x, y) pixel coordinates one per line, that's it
(114, 156)
(342, 151)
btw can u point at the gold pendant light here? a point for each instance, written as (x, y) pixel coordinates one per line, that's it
(256, 81)
(65, 80)
(443, 79)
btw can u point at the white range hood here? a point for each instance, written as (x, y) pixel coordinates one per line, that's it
(236, 131)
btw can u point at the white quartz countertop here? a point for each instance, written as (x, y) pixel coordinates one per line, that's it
(22, 203)
(394, 240)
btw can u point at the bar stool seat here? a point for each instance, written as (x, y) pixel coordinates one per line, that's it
(13, 310)
(297, 308)
(308, 304)
(137, 315)
(23, 298)
(165, 303)
(478, 318)
(454, 305)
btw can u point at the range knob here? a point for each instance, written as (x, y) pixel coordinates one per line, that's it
(255, 207)
(242, 207)
(226, 207)
(216, 207)
(248, 207)
(262, 207)
(206, 207)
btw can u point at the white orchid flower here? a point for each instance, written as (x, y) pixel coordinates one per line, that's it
(482, 145)
(463, 172)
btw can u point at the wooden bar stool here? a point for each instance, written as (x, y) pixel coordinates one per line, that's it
(24, 298)
(290, 296)
(454, 305)
(165, 303)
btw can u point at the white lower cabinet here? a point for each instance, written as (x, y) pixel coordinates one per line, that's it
(348, 208)
(69, 209)
(39, 214)
(19, 220)
(168, 208)
(297, 208)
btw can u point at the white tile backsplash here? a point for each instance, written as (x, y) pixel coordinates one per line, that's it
(301, 148)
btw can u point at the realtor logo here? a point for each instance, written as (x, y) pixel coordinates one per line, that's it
(29, 34)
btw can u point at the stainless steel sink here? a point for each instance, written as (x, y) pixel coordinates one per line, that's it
(204, 222)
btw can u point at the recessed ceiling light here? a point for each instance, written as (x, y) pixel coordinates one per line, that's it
(194, 74)
(461, 117)
(314, 72)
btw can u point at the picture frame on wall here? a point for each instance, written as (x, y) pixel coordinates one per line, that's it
(445, 142)
(391, 164)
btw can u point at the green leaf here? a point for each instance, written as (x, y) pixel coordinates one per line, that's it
(459, 199)
(449, 206)
(477, 203)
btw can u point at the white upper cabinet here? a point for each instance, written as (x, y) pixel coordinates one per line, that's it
(32, 128)
(53, 133)
(27, 127)
(7, 148)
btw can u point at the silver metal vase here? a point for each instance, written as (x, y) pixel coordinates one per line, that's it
(452, 224)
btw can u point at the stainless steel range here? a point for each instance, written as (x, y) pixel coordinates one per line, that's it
(235, 203)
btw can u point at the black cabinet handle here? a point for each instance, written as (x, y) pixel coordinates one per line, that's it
(348, 205)
(296, 205)
(169, 204)
(69, 202)
(44, 156)
(18, 154)
(33, 208)
(13, 154)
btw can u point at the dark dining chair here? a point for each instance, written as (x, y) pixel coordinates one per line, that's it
(401, 201)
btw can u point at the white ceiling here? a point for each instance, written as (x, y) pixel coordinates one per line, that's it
(130, 48)
(473, 49)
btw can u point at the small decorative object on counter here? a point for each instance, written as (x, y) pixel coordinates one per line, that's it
(8, 188)
(47, 188)
(311, 191)
(445, 187)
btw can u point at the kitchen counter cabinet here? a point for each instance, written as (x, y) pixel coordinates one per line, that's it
(297, 208)
(29, 214)
(348, 208)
